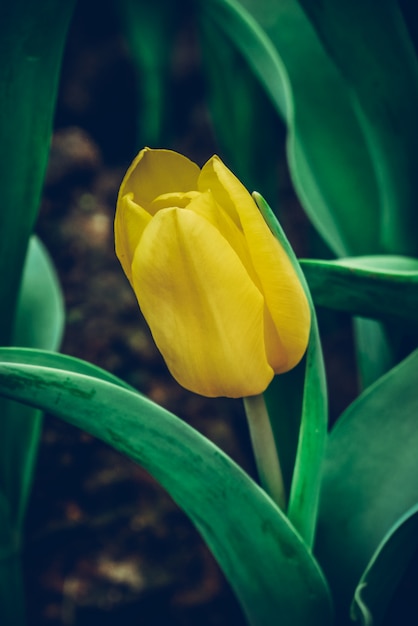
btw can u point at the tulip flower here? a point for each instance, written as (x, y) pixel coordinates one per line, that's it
(220, 295)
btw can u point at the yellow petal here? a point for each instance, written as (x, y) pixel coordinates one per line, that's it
(205, 205)
(179, 199)
(208, 179)
(130, 221)
(284, 295)
(206, 315)
(156, 172)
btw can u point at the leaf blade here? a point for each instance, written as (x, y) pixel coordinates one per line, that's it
(299, 79)
(385, 569)
(186, 464)
(381, 287)
(306, 481)
(362, 499)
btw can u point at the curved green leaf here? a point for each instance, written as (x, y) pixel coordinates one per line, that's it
(251, 149)
(385, 569)
(40, 309)
(32, 39)
(264, 559)
(39, 324)
(372, 47)
(250, 38)
(369, 479)
(286, 55)
(380, 287)
(53, 360)
(306, 482)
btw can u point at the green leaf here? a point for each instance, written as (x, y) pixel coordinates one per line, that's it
(267, 564)
(40, 309)
(385, 569)
(39, 324)
(32, 39)
(54, 360)
(287, 57)
(248, 36)
(304, 494)
(149, 28)
(251, 149)
(374, 350)
(283, 399)
(374, 52)
(369, 478)
(380, 287)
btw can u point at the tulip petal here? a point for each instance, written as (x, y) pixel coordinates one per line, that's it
(156, 172)
(205, 205)
(283, 292)
(205, 314)
(130, 221)
(179, 199)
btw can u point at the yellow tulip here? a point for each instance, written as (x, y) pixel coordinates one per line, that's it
(221, 297)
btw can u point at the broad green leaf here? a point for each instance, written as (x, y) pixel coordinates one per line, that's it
(380, 287)
(304, 494)
(54, 360)
(267, 564)
(375, 354)
(385, 569)
(39, 324)
(286, 55)
(369, 479)
(251, 149)
(149, 28)
(40, 308)
(32, 37)
(251, 40)
(372, 48)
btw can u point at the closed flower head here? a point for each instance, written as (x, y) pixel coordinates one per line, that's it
(221, 297)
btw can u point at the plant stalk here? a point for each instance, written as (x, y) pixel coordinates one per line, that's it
(265, 451)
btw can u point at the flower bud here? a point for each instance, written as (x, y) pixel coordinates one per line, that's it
(221, 297)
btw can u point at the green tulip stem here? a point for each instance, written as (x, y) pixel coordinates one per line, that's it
(264, 448)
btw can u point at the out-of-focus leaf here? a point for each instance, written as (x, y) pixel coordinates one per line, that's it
(372, 48)
(32, 38)
(286, 55)
(266, 562)
(369, 479)
(251, 149)
(39, 324)
(40, 309)
(149, 28)
(373, 350)
(385, 570)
